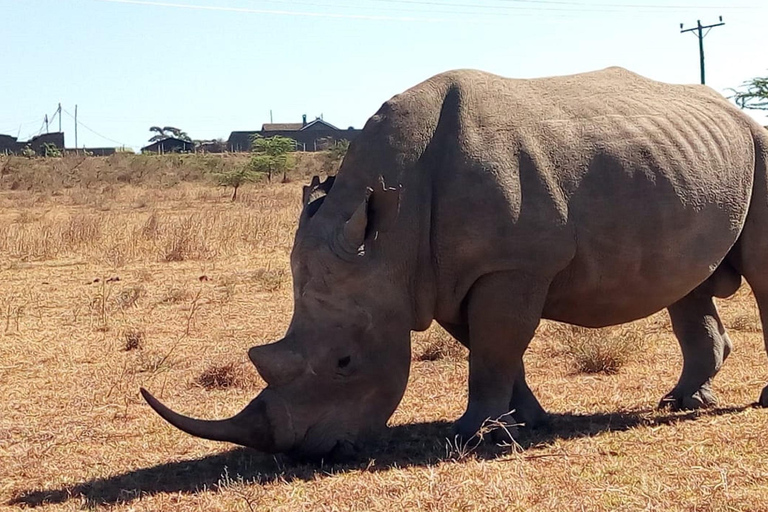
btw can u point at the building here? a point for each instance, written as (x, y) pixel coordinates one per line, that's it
(10, 145)
(316, 135)
(170, 145)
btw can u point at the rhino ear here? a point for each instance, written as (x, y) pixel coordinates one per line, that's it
(308, 189)
(385, 207)
(377, 213)
(314, 194)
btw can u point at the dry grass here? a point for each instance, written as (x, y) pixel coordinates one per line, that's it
(224, 376)
(436, 344)
(133, 339)
(75, 434)
(600, 350)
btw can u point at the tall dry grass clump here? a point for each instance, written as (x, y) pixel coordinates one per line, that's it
(604, 350)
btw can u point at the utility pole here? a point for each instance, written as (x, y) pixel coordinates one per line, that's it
(46, 123)
(699, 29)
(58, 111)
(75, 128)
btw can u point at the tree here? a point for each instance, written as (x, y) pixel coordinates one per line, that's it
(270, 155)
(51, 151)
(167, 132)
(335, 155)
(28, 151)
(754, 94)
(339, 150)
(236, 177)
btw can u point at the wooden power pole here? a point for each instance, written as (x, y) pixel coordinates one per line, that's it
(699, 29)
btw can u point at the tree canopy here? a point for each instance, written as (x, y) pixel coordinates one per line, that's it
(753, 94)
(270, 155)
(166, 132)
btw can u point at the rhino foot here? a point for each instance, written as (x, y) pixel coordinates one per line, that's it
(527, 410)
(474, 430)
(677, 400)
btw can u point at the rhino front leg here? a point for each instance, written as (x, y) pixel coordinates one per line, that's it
(503, 311)
(705, 346)
(524, 404)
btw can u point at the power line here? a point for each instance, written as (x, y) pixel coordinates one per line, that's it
(94, 131)
(270, 11)
(534, 6)
(628, 6)
(574, 6)
(699, 29)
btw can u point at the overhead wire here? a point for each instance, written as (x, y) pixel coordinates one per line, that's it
(495, 10)
(80, 123)
(533, 5)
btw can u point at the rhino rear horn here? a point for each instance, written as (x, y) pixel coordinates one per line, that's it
(276, 363)
(250, 427)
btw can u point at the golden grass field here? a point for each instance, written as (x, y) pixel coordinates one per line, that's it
(109, 285)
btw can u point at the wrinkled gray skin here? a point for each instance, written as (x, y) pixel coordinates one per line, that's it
(487, 204)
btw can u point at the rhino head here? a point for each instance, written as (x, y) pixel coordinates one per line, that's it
(342, 367)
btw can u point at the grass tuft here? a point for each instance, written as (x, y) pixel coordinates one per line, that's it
(600, 350)
(224, 376)
(133, 339)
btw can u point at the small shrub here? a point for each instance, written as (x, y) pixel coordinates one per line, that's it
(128, 297)
(176, 295)
(28, 152)
(599, 350)
(51, 151)
(225, 376)
(133, 339)
(746, 322)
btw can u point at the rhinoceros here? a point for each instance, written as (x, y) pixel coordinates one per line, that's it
(486, 204)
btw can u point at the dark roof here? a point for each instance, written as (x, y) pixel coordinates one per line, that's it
(319, 121)
(281, 127)
(295, 127)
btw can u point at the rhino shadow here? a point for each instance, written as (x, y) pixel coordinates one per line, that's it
(417, 444)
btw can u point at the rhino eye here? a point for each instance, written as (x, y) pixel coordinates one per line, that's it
(344, 362)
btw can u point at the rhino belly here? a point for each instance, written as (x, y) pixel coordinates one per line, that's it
(633, 261)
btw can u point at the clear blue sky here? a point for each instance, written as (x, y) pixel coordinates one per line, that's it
(132, 64)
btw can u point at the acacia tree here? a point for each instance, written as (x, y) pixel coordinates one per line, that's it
(166, 132)
(753, 94)
(236, 177)
(271, 155)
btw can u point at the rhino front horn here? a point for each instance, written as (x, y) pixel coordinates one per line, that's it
(250, 427)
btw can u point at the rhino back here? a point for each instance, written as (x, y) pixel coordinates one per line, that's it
(626, 192)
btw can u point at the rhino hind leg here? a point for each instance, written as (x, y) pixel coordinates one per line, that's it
(503, 311)
(705, 346)
(761, 295)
